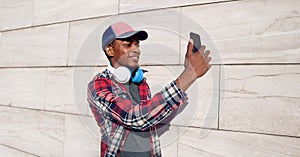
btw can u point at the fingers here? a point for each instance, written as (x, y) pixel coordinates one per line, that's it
(203, 53)
(207, 57)
(208, 60)
(206, 54)
(190, 48)
(202, 48)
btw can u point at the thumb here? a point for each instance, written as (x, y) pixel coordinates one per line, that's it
(190, 47)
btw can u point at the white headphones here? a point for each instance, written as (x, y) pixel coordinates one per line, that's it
(123, 74)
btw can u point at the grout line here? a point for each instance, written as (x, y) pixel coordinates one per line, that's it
(180, 35)
(44, 110)
(240, 131)
(64, 135)
(209, 3)
(195, 127)
(179, 6)
(177, 141)
(103, 16)
(259, 133)
(84, 66)
(63, 66)
(68, 54)
(18, 149)
(238, 64)
(1, 34)
(219, 101)
(46, 86)
(33, 26)
(54, 23)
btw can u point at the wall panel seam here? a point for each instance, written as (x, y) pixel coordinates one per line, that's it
(44, 110)
(103, 16)
(19, 150)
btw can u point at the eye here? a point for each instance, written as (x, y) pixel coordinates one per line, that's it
(137, 44)
(127, 44)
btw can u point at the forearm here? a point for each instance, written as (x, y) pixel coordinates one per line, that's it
(138, 116)
(185, 79)
(156, 109)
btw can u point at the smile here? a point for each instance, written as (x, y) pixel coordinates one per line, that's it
(135, 58)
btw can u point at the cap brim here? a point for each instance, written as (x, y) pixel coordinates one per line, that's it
(141, 35)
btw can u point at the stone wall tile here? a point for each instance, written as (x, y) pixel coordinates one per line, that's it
(10, 152)
(82, 136)
(85, 43)
(262, 99)
(39, 46)
(23, 87)
(228, 144)
(142, 5)
(203, 95)
(36, 132)
(163, 27)
(15, 14)
(247, 31)
(54, 11)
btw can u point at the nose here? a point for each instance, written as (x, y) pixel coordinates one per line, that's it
(135, 48)
(136, 51)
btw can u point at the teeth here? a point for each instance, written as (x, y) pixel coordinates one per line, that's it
(135, 58)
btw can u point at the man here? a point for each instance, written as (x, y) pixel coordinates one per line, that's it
(120, 98)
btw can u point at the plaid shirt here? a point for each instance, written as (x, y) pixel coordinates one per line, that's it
(116, 113)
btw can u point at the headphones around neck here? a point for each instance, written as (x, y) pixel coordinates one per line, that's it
(123, 74)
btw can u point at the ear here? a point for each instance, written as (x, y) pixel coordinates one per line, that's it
(109, 51)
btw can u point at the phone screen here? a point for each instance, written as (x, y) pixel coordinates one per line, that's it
(196, 40)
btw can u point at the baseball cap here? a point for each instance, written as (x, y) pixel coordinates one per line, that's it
(121, 30)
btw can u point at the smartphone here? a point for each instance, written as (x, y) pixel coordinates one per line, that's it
(196, 40)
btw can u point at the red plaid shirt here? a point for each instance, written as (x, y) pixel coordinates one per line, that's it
(116, 113)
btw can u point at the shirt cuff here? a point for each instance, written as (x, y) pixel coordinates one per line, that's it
(173, 94)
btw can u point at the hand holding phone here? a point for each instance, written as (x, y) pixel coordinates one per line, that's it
(196, 41)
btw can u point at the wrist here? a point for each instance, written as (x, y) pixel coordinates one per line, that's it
(189, 74)
(186, 78)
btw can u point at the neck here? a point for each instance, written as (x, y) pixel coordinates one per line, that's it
(115, 65)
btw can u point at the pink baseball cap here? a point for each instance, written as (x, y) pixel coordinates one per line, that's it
(121, 30)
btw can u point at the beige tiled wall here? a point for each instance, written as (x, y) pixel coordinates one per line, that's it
(38, 46)
(264, 98)
(142, 5)
(58, 11)
(248, 31)
(248, 104)
(23, 87)
(81, 34)
(31, 131)
(15, 14)
(227, 144)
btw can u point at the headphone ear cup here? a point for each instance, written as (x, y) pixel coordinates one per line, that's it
(122, 74)
(138, 76)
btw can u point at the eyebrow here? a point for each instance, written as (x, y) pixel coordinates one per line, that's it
(130, 40)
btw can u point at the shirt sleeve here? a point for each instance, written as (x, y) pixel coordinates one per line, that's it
(124, 111)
